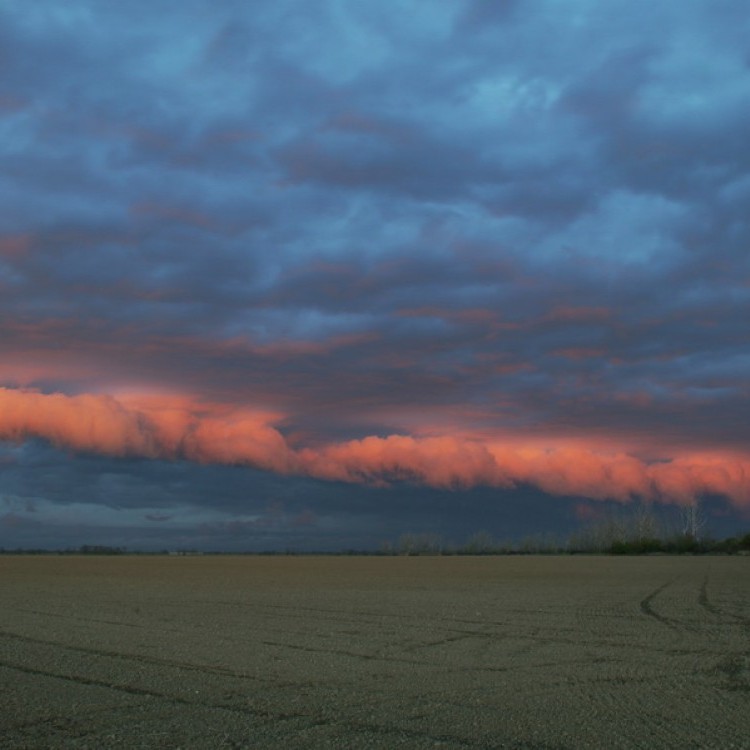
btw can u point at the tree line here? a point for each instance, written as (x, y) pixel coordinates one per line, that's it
(637, 530)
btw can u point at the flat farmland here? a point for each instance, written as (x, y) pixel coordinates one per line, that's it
(374, 652)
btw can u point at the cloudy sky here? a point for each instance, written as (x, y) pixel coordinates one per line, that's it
(313, 274)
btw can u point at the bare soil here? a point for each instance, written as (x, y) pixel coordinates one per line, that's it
(374, 652)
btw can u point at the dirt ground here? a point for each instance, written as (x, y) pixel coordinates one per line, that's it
(374, 652)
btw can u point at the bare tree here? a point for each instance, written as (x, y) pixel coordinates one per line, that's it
(693, 520)
(406, 544)
(426, 543)
(646, 525)
(480, 543)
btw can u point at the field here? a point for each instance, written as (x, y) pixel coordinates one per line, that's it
(374, 652)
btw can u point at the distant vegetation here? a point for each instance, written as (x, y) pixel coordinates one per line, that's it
(636, 530)
(482, 544)
(86, 549)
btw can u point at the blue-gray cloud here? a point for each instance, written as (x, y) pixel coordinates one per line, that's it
(531, 215)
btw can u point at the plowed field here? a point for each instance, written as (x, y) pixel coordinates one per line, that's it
(374, 652)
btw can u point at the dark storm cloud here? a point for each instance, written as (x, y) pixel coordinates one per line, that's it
(487, 218)
(67, 502)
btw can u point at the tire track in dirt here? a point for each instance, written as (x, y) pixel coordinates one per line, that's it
(166, 662)
(64, 721)
(377, 657)
(735, 665)
(223, 671)
(648, 610)
(98, 621)
(705, 602)
(489, 634)
(365, 616)
(736, 669)
(152, 661)
(488, 637)
(90, 681)
(448, 639)
(149, 628)
(340, 617)
(307, 721)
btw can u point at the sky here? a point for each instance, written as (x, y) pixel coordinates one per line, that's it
(310, 275)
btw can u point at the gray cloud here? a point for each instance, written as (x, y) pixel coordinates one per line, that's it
(369, 219)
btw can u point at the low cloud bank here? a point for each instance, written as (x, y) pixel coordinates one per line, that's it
(172, 428)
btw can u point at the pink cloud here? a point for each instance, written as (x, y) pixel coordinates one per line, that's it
(436, 461)
(173, 426)
(14, 245)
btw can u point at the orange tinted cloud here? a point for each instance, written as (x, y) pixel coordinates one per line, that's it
(85, 423)
(436, 461)
(14, 245)
(173, 427)
(158, 427)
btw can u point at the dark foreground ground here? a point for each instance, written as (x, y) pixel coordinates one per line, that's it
(342, 652)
